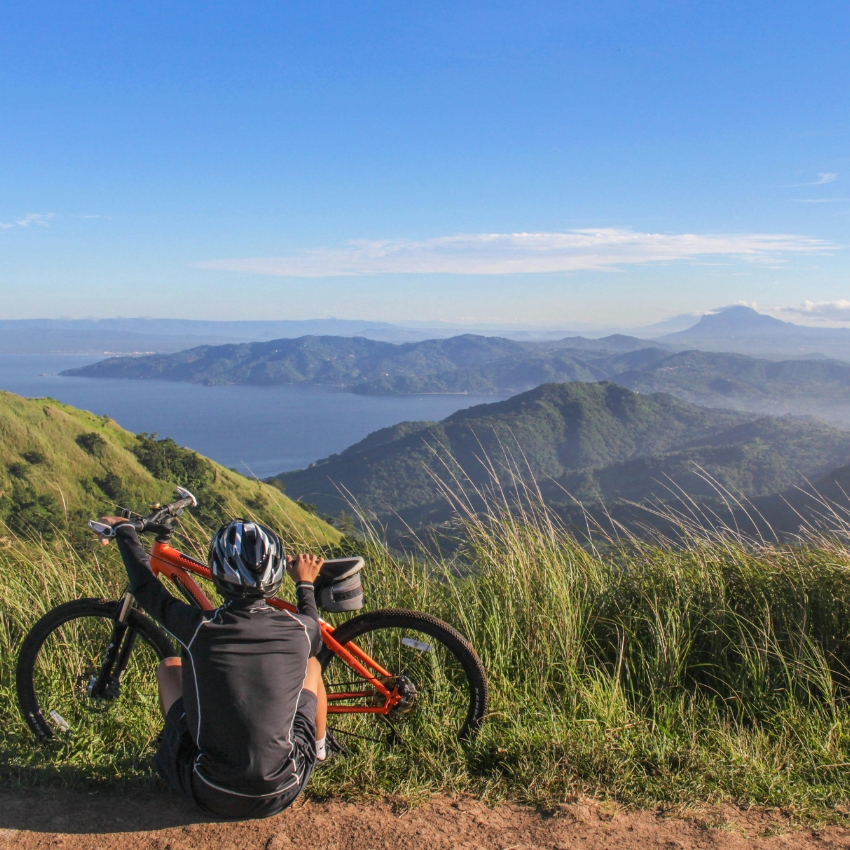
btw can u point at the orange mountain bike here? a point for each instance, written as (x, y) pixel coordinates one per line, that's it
(390, 674)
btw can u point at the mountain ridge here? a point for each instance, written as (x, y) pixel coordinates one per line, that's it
(593, 441)
(347, 361)
(478, 364)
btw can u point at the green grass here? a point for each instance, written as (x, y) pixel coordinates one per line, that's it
(60, 466)
(713, 671)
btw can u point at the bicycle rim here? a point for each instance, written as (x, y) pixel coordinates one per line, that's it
(442, 683)
(62, 671)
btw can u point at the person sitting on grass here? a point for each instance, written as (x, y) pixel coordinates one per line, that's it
(245, 707)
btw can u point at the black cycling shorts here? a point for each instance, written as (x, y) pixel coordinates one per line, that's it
(176, 754)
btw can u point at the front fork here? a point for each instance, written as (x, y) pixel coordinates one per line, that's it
(106, 683)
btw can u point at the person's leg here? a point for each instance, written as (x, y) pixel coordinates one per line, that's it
(169, 677)
(313, 683)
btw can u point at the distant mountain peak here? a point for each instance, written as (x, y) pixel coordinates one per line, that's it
(740, 312)
(732, 321)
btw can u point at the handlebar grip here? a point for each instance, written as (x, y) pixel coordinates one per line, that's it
(187, 500)
(107, 532)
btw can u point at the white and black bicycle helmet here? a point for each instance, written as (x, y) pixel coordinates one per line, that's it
(246, 560)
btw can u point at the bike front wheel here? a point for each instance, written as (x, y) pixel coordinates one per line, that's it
(439, 675)
(81, 673)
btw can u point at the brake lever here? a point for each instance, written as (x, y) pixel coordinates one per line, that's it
(106, 531)
(186, 495)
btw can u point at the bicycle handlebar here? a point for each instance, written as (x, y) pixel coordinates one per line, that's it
(157, 521)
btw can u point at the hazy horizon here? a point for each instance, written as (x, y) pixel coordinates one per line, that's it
(802, 320)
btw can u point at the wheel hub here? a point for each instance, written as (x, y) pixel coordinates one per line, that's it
(407, 697)
(99, 694)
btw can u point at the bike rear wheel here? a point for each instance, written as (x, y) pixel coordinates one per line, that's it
(441, 676)
(66, 683)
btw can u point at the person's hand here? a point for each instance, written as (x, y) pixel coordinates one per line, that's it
(304, 567)
(109, 520)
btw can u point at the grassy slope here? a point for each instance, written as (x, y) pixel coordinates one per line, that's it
(714, 671)
(42, 466)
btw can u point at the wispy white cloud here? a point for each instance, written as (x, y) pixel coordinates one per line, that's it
(521, 253)
(827, 311)
(824, 177)
(751, 304)
(38, 219)
(821, 200)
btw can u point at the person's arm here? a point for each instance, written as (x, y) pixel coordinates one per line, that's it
(305, 600)
(180, 619)
(303, 571)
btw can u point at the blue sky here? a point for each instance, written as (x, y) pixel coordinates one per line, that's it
(542, 163)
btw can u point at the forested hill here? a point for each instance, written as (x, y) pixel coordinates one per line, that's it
(346, 361)
(598, 441)
(478, 364)
(60, 466)
(366, 365)
(820, 387)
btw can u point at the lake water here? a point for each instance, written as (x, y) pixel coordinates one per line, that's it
(258, 430)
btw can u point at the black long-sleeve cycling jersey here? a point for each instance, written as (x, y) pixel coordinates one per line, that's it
(243, 671)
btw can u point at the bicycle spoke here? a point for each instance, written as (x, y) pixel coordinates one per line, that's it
(394, 733)
(430, 683)
(74, 696)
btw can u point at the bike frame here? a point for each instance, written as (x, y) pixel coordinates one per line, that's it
(179, 568)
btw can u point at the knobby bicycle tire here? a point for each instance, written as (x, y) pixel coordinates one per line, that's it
(451, 638)
(77, 609)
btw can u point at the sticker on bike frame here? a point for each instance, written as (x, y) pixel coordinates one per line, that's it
(60, 721)
(417, 644)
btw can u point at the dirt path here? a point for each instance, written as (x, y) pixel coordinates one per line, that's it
(57, 819)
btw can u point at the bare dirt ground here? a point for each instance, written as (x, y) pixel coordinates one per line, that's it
(71, 820)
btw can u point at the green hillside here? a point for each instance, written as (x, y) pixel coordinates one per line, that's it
(821, 503)
(595, 442)
(756, 458)
(338, 361)
(744, 382)
(60, 466)
(548, 431)
(478, 364)
(466, 363)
